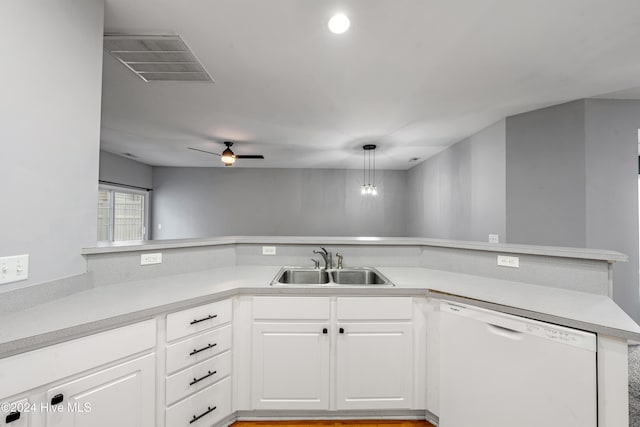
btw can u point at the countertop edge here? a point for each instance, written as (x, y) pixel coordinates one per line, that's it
(553, 251)
(22, 345)
(536, 315)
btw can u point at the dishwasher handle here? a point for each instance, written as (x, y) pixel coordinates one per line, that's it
(504, 332)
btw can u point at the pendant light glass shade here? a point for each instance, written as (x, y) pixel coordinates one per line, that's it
(369, 171)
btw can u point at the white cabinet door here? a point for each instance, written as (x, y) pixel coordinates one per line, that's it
(374, 365)
(290, 366)
(123, 396)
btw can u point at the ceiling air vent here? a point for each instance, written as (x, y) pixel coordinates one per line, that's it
(156, 58)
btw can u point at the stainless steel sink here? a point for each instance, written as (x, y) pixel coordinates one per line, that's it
(301, 276)
(356, 276)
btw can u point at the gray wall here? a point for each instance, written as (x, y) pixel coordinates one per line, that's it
(460, 193)
(545, 175)
(572, 180)
(114, 168)
(202, 202)
(49, 131)
(612, 190)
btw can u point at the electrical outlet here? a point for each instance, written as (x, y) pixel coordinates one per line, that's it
(268, 250)
(14, 268)
(148, 259)
(494, 238)
(509, 261)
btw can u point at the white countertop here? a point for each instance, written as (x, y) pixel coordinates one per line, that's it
(109, 306)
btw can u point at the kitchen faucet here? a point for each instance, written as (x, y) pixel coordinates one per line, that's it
(326, 256)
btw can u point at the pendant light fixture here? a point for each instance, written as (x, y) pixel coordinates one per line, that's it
(369, 170)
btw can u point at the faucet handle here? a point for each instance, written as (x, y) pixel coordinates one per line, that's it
(316, 263)
(340, 258)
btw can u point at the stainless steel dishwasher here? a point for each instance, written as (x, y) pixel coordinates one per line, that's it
(498, 370)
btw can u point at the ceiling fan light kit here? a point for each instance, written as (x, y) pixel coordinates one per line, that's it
(369, 171)
(228, 157)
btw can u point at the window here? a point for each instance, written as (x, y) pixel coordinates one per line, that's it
(122, 214)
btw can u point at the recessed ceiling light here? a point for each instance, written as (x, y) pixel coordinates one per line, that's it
(339, 23)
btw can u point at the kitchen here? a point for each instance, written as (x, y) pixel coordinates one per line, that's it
(68, 116)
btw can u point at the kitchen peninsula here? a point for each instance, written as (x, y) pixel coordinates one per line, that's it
(214, 297)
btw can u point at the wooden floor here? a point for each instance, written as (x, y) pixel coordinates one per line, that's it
(364, 423)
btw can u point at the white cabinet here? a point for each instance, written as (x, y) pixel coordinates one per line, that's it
(290, 366)
(374, 366)
(374, 351)
(122, 395)
(198, 367)
(103, 379)
(321, 353)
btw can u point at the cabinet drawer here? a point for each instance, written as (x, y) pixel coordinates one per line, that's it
(198, 319)
(198, 377)
(375, 308)
(196, 349)
(291, 308)
(204, 408)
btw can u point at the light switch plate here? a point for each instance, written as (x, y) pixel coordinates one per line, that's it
(494, 238)
(14, 268)
(148, 259)
(268, 250)
(509, 261)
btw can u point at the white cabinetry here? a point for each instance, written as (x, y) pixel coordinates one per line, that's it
(374, 353)
(300, 342)
(290, 366)
(102, 379)
(198, 365)
(122, 395)
(290, 355)
(374, 366)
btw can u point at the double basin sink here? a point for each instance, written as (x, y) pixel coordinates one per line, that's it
(355, 276)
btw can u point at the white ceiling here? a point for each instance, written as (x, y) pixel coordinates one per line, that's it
(412, 76)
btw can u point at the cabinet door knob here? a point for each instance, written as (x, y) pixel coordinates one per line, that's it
(341, 330)
(325, 331)
(58, 398)
(13, 416)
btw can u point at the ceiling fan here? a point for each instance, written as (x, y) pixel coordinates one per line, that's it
(228, 157)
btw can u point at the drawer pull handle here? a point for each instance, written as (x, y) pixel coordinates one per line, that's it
(341, 330)
(58, 398)
(13, 416)
(207, 347)
(325, 331)
(209, 317)
(196, 418)
(197, 380)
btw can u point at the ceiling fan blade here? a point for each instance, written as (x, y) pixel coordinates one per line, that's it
(249, 156)
(203, 151)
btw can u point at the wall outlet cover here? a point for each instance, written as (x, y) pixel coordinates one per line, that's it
(494, 238)
(509, 261)
(148, 259)
(268, 250)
